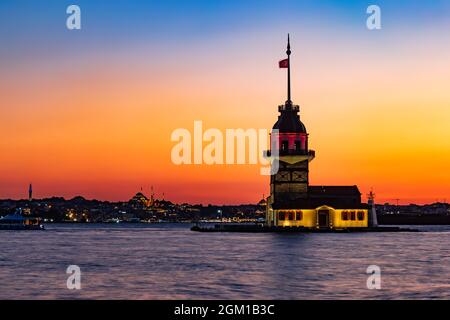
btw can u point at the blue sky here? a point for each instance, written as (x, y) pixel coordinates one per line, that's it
(32, 25)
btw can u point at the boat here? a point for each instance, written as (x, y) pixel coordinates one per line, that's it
(113, 220)
(17, 221)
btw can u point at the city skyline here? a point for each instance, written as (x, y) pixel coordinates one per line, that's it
(90, 112)
(161, 196)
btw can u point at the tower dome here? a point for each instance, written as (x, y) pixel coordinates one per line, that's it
(289, 120)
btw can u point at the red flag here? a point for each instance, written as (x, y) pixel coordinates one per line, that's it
(284, 63)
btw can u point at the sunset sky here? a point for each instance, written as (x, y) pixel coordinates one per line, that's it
(90, 112)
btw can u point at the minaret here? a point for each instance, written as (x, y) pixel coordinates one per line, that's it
(30, 193)
(290, 138)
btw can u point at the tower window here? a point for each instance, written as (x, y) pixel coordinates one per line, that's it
(298, 215)
(298, 145)
(281, 216)
(360, 215)
(284, 146)
(352, 215)
(344, 215)
(290, 215)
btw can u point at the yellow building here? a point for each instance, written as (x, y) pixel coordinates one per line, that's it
(292, 201)
(325, 207)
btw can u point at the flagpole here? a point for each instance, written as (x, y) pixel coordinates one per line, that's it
(288, 52)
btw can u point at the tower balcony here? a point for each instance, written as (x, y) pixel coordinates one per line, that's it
(285, 107)
(283, 153)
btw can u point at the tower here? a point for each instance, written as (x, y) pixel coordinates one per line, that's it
(293, 202)
(290, 137)
(373, 221)
(30, 193)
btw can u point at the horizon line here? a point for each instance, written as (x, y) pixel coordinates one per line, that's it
(201, 204)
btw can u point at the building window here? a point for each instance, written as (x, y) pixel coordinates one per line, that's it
(284, 146)
(298, 215)
(290, 215)
(345, 215)
(281, 216)
(360, 215)
(352, 215)
(298, 145)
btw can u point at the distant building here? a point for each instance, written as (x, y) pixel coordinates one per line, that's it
(292, 201)
(139, 200)
(263, 202)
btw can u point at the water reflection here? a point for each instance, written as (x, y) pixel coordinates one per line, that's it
(171, 262)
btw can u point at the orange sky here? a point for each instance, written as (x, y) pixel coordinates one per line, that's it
(98, 124)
